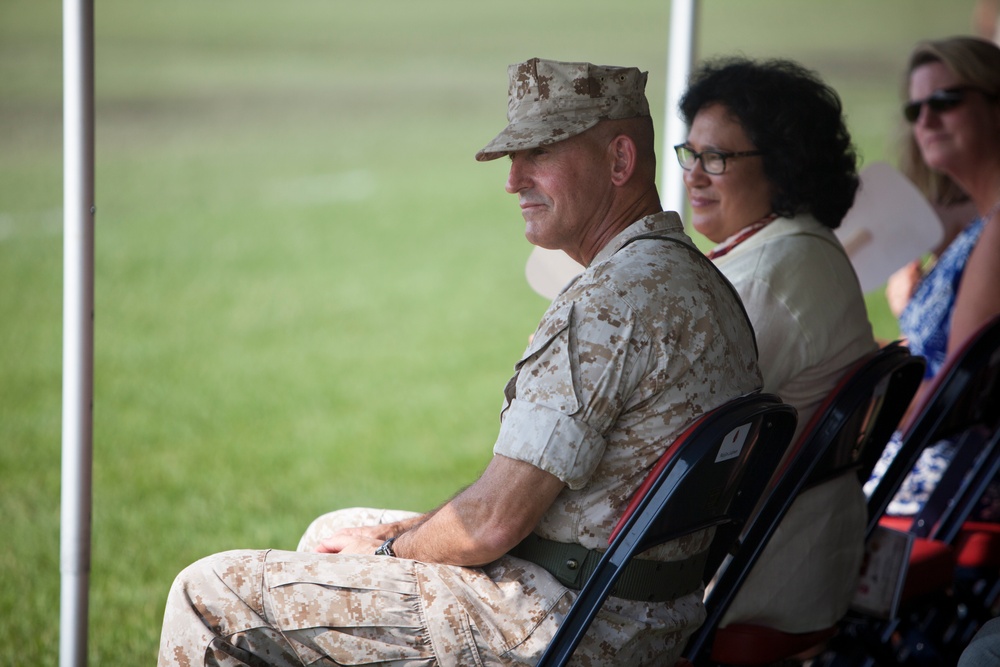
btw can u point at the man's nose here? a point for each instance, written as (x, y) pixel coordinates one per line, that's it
(516, 177)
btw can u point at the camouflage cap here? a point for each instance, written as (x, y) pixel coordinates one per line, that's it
(549, 101)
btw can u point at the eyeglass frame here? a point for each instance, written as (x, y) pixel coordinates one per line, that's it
(722, 155)
(940, 101)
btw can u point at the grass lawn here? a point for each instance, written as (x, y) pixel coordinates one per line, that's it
(308, 294)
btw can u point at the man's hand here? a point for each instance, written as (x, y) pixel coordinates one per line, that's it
(360, 540)
(476, 527)
(486, 520)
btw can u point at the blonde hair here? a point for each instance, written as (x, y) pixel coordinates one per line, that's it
(976, 62)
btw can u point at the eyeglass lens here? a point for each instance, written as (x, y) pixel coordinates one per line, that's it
(711, 161)
(939, 100)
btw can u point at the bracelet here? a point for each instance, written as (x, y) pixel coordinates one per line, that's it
(386, 548)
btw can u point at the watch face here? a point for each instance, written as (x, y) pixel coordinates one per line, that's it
(386, 548)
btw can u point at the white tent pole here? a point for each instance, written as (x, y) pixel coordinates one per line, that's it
(680, 55)
(78, 328)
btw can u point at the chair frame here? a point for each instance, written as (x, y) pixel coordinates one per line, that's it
(954, 499)
(964, 393)
(712, 475)
(963, 399)
(846, 433)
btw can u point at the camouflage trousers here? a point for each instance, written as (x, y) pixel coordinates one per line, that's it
(296, 608)
(299, 608)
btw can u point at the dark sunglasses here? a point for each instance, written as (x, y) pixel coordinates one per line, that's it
(940, 100)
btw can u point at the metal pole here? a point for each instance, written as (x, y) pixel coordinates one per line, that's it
(680, 55)
(78, 328)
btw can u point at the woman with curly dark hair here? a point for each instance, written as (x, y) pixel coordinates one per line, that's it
(770, 172)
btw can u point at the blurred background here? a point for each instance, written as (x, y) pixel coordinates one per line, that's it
(308, 293)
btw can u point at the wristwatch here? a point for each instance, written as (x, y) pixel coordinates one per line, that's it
(386, 548)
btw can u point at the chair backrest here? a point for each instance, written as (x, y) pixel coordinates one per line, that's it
(847, 432)
(857, 418)
(713, 474)
(974, 465)
(964, 394)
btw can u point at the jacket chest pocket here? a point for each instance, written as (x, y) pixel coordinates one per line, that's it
(548, 358)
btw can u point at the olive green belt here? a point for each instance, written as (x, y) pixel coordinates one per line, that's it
(641, 579)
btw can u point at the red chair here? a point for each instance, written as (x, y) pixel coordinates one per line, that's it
(846, 433)
(711, 476)
(953, 573)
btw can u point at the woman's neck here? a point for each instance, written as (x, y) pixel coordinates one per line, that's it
(983, 186)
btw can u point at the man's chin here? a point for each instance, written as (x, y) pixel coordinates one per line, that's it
(540, 240)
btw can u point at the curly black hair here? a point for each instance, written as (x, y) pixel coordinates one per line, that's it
(796, 120)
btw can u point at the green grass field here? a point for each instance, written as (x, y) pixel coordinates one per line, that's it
(308, 293)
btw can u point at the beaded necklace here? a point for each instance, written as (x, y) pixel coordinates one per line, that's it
(741, 236)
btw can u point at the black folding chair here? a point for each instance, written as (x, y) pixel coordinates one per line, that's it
(961, 405)
(845, 434)
(951, 517)
(711, 476)
(965, 394)
(954, 501)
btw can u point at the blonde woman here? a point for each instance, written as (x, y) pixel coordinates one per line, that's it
(952, 152)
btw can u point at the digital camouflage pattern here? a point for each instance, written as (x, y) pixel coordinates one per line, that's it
(646, 339)
(549, 101)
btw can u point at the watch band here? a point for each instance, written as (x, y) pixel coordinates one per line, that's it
(386, 548)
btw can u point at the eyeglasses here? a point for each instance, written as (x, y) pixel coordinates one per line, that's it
(938, 101)
(713, 162)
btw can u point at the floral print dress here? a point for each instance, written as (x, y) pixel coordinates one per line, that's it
(926, 324)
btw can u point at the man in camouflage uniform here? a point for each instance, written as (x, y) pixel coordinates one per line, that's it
(647, 338)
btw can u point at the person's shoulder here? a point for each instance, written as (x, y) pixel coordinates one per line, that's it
(787, 243)
(807, 271)
(659, 266)
(801, 232)
(652, 276)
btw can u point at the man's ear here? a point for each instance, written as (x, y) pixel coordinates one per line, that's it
(624, 157)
